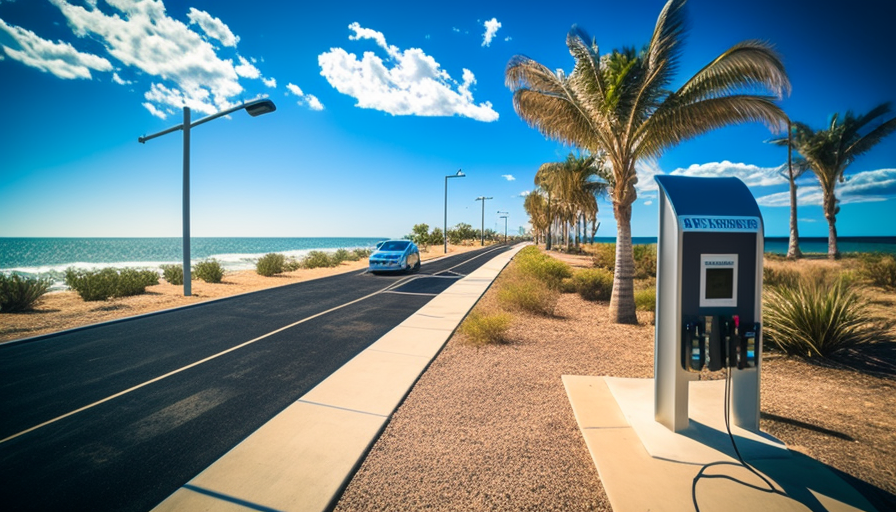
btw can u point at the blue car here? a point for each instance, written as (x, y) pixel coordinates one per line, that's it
(393, 255)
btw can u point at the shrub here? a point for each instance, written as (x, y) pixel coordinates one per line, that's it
(19, 293)
(102, 284)
(880, 269)
(605, 256)
(174, 274)
(593, 283)
(270, 264)
(532, 262)
(291, 264)
(317, 259)
(209, 271)
(519, 291)
(645, 300)
(645, 261)
(362, 253)
(486, 329)
(341, 255)
(814, 318)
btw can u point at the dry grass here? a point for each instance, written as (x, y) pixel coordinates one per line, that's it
(65, 310)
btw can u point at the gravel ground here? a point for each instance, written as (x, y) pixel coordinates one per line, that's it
(491, 428)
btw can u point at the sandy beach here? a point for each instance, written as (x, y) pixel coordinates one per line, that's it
(58, 311)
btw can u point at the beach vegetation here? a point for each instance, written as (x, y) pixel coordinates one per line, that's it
(291, 264)
(173, 273)
(319, 259)
(461, 232)
(270, 264)
(645, 260)
(593, 283)
(879, 269)
(817, 318)
(604, 256)
(20, 293)
(645, 299)
(531, 261)
(828, 152)
(787, 277)
(362, 253)
(102, 284)
(620, 105)
(481, 328)
(209, 270)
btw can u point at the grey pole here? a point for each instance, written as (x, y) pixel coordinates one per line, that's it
(482, 227)
(187, 276)
(459, 174)
(253, 108)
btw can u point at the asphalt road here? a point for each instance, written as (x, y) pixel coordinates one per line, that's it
(119, 416)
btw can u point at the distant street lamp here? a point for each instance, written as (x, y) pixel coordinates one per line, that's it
(253, 108)
(482, 228)
(458, 174)
(505, 223)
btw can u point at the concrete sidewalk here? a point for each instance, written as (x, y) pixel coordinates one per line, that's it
(302, 458)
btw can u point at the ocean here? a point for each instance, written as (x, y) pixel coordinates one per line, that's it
(778, 244)
(51, 256)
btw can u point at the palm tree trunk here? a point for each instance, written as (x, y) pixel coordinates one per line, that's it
(547, 242)
(622, 302)
(830, 213)
(793, 247)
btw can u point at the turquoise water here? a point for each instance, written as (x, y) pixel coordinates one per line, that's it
(778, 244)
(53, 255)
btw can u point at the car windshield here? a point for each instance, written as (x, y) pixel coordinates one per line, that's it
(394, 246)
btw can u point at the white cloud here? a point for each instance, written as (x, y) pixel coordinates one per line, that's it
(508, 177)
(154, 111)
(118, 80)
(508, 38)
(862, 187)
(308, 100)
(246, 69)
(213, 27)
(141, 35)
(413, 84)
(491, 27)
(648, 203)
(270, 82)
(807, 220)
(646, 170)
(60, 58)
(455, 29)
(525, 193)
(751, 175)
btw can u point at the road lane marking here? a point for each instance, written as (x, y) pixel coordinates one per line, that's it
(215, 356)
(412, 293)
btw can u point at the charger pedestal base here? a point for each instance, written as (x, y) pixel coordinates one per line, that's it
(645, 466)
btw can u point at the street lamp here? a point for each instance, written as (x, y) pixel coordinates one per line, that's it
(254, 109)
(458, 174)
(482, 228)
(505, 223)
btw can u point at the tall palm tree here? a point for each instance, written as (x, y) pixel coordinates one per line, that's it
(536, 205)
(795, 169)
(830, 151)
(619, 104)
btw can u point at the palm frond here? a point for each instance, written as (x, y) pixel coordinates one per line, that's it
(664, 48)
(671, 126)
(745, 67)
(587, 69)
(864, 143)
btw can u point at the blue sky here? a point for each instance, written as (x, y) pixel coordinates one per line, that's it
(376, 104)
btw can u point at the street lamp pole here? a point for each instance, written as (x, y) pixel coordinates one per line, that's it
(458, 174)
(482, 228)
(505, 223)
(254, 109)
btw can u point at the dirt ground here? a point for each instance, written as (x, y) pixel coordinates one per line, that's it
(491, 428)
(58, 311)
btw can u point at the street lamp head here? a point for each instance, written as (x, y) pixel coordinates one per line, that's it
(460, 173)
(260, 107)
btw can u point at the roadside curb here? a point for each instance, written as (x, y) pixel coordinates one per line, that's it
(302, 459)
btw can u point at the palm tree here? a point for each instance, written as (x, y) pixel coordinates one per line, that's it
(619, 104)
(793, 245)
(829, 152)
(572, 191)
(536, 205)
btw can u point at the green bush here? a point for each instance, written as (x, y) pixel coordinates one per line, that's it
(19, 293)
(532, 262)
(486, 329)
(593, 283)
(341, 255)
(173, 274)
(645, 261)
(645, 300)
(270, 264)
(815, 318)
(291, 264)
(782, 277)
(362, 253)
(517, 290)
(102, 284)
(878, 268)
(318, 259)
(209, 271)
(605, 256)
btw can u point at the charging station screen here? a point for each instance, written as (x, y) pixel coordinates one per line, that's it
(719, 283)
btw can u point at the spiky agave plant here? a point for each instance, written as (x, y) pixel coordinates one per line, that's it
(812, 318)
